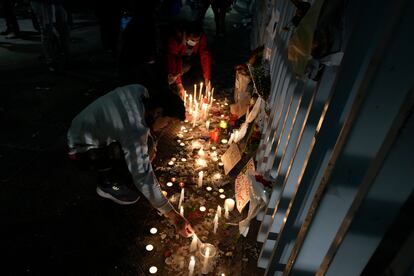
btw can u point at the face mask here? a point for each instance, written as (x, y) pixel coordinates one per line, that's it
(191, 43)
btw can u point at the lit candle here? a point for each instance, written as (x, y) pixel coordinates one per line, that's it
(203, 208)
(201, 152)
(222, 196)
(201, 90)
(221, 164)
(169, 184)
(190, 103)
(173, 179)
(173, 159)
(200, 179)
(153, 269)
(185, 96)
(217, 176)
(195, 114)
(191, 266)
(195, 91)
(183, 159)
(215, 159)
(207, 124)
(209, 189)
(171, 163)
(229, 203)
(153, 230)
(181, 198)
(215, 223)
(224, 141)
(218, 211)
(149, 247)
(221, 191)
(182, 144)
(223, 124)
(226, 211)
(182, 211)
(201, 162)
(194, 242)
(213, 148)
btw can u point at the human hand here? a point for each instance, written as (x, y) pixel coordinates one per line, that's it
(181, 224)
(181, 90)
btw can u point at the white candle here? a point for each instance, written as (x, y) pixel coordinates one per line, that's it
(219, 211)
(222, 196)
(153, 230)
(182, 211)
(221, 191)
(183, 159)
(209, 189)
(191, 266)
(190, 103)
(224, 141)
(169, 184)
(221, 164)
(203, 208)
(213, 148)
(194, 242)
(185, 96)
(200, 179)
(195, 91)
(229, 203)
(149, 247)
(207, 124)
(226, 211)
(182, 144)
(201, 91)
(205, 262)
(215, 223)
(181, 198)
(171, 163)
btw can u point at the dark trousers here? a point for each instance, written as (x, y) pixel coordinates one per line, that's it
(108, 162)
(10, 16)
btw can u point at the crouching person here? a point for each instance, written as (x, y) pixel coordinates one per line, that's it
(112, 136)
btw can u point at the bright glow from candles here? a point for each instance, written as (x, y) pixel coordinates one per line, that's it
(153, 230)
(178, 141)
(153, 269)
(226, 104)
(183, 127)
(224, 141)
(180, 135)
(222, 196)
(173, 159)
(201, 152)
(222, 115)
(201, 162)
(182, 144)
(207, 124)
(203, 209)
(209, 188)
(183, 159)
(218, 212)
(173, 179)
(221, 191)
(169, 184)
(215, 159)
(214, 153)
(171, 163)
(217, 176)
(213, 148)
(223, 124)
(220, 164)
(149, 247)
(185, 130)
(186, 121)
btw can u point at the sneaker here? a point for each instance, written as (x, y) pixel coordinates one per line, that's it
(120, 194)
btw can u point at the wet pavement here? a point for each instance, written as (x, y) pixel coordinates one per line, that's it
(52, 221)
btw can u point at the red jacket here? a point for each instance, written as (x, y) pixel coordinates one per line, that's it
(177, 49)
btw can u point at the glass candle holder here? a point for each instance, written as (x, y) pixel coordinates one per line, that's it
(207, 255)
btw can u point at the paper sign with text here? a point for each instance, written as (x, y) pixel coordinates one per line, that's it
(231, 157)
(242, 185)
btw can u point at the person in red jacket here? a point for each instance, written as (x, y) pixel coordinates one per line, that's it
(183, 47)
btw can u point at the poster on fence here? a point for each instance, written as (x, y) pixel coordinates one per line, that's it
(242, 185)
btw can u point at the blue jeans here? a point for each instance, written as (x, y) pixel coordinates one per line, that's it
(51, 15)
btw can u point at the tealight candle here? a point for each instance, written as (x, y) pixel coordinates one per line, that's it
(201, 162)
(220, 164)
(180, 135)
(183, 127)
(149, 247)
(153, 269)
(217, 176)
(183, 159)
(209, 189)
(222, 115)
(169, 184)
(215, 159)
(185, 131)
(221, 191)
(182, 144)
(203, 209)
(222, 196)
(186, 121)
(213, 148)
(153, 230)
(171, 163)
(224, 141)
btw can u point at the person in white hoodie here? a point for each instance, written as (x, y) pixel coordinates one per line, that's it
(111, 135)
